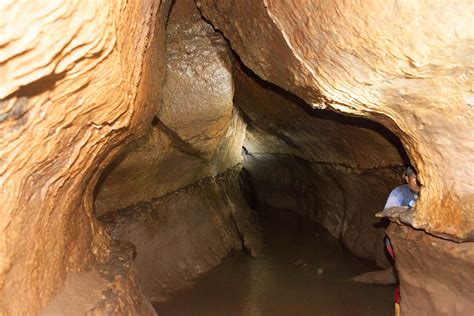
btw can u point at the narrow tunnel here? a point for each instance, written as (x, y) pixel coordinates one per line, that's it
(224, 150)
(182, 157)
(331, 170)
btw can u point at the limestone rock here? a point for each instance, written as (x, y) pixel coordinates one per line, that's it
(407, 65)
(387, 276)
(435, 274)
(187, 232)
(85, 85)
(198, 93)
(196, 131)
(71, 94)
(334, 170)
(112, 289)
(164, 193)
(391, 62)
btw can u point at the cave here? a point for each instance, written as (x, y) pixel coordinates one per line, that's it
(152, 147)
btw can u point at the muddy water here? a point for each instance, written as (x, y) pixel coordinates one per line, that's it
(304, 271)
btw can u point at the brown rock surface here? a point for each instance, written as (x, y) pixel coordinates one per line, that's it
(156, 164)
(112, 290)
(196, 131)
(162, 193)
(79, 81)
(70, 96)
(387, 276)
(81, 293)
(334, 170)
(435, 274)
(392, 62)
(186, 232)
(198, 93)
(407, 65)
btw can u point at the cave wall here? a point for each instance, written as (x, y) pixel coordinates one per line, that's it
(135, 107)
(342, 200)
(174, 192)
(72, 93)
(186, 232)
(392, 62)
(435, 274)
(395, 63)
(195, 132)
(332, 169)
(81, 81)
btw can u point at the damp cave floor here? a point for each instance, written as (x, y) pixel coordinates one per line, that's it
(303, 271)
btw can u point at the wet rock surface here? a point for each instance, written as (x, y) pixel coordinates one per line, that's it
(186, 232)
(175, 190)
(135, 111)
(435, 274)
(386, 276)
(196, 131)
(112, 288)
(334, 170)
(413, 77)
(343, 201)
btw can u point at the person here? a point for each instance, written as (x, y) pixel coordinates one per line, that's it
(402, 197)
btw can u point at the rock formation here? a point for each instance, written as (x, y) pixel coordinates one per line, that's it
(332, 169)
(435, 274)
(186, 232)
(174, 193)
(196, 131)
(394, 63)
(141, 114)
(72, 93)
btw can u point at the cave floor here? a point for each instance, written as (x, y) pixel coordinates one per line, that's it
(285, 280)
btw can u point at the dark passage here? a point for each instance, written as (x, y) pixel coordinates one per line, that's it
(304, 271)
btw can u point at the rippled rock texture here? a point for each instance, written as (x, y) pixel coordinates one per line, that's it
(71, 94)
(392, 62)
(121, 110)
(395, 63)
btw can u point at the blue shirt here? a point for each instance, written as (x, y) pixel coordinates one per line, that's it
(401, 196)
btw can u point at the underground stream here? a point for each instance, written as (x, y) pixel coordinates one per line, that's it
(303, 271)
